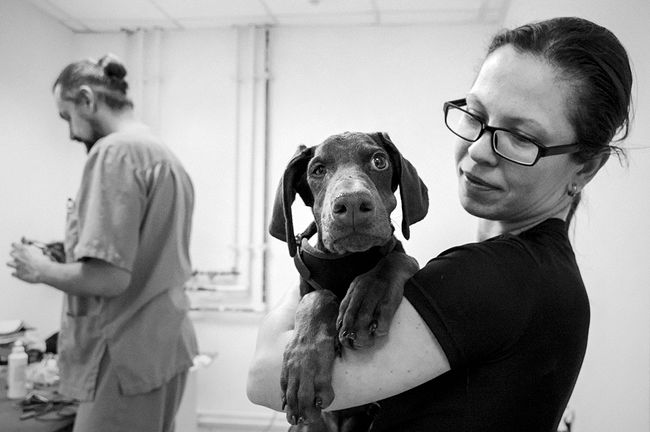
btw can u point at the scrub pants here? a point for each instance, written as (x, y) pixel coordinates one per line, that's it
(113, 412)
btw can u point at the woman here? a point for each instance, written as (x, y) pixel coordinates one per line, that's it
(490, 336)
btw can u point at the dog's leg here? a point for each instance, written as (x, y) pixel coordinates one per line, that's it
(308, 358)
(357, 419)
(373, 297)
(328, 422)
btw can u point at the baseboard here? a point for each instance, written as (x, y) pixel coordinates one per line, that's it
(229, 421)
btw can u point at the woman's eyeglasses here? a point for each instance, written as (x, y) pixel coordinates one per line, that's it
(505, 143)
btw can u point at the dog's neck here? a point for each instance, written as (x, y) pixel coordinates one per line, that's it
(335, 272)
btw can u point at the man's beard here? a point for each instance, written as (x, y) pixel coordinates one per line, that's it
(95, 136)
(89, 145)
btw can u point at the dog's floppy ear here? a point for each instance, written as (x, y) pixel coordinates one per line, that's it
(413, 191)
(294, 180)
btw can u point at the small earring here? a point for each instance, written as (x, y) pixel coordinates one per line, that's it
(573, 190)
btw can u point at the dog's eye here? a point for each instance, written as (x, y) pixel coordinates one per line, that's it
(379, 161)
(318, 170)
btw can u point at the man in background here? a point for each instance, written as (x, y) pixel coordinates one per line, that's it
(126, 342)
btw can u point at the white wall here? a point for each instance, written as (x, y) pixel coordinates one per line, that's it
(611, 241)
(200, 127)
(39, 167)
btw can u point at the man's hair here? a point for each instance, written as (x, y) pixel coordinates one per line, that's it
(105, 76)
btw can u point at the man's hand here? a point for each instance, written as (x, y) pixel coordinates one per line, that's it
(28, 262)
(87, 277)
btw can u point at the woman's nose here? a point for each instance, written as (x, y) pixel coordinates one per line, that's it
(481, 150)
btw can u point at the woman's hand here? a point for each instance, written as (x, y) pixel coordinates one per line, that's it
(28, 262)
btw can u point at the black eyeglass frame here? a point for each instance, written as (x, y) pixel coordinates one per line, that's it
(543, 150)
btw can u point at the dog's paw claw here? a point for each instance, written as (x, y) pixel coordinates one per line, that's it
(338, 348)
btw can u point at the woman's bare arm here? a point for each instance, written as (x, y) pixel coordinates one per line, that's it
(410, 355)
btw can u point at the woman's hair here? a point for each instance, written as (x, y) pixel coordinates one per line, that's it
(105, 76)
(592, 61)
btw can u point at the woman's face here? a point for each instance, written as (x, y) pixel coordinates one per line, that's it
(522, 93)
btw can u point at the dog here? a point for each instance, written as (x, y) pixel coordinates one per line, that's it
(352, 279)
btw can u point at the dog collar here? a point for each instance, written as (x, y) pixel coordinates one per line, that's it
(335, 272)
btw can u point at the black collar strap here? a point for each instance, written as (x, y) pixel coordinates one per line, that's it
(335, 272)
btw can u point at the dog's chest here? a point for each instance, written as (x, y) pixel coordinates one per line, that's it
(335, 272)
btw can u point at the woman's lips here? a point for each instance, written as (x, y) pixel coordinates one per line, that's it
(478, 182)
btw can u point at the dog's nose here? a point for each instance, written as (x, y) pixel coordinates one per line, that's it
(353, 208)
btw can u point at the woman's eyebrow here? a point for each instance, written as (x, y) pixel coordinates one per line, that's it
(515, 120)
(532, 127)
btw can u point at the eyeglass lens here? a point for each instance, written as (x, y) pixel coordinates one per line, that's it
(514, 148)
(463, 125)
(505, 144)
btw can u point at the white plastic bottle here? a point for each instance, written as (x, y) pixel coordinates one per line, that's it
(17, 374)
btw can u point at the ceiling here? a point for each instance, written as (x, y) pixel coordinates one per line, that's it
(88, 16)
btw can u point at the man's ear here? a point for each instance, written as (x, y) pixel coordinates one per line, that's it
(87, 98)
(590, 168)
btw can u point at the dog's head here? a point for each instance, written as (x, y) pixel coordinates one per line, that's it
(349, 181)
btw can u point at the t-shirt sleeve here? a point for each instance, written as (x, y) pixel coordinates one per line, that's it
(473, 301)
(110, 207)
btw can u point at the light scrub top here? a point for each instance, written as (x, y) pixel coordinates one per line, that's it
(133, 210)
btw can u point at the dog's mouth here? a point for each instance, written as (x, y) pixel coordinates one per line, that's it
(354, 242)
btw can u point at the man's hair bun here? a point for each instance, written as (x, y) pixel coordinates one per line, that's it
(113, 67)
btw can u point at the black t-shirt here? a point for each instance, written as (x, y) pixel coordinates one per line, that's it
(512, 316)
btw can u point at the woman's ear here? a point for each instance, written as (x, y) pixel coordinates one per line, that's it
(590, 168)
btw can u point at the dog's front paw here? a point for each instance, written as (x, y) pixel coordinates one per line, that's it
(372, 299)
(306, 378)
(308, 358)
(367, 309)
(318, 426)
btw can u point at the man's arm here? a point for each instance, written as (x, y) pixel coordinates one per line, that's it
(408, 356)
(91, 277)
